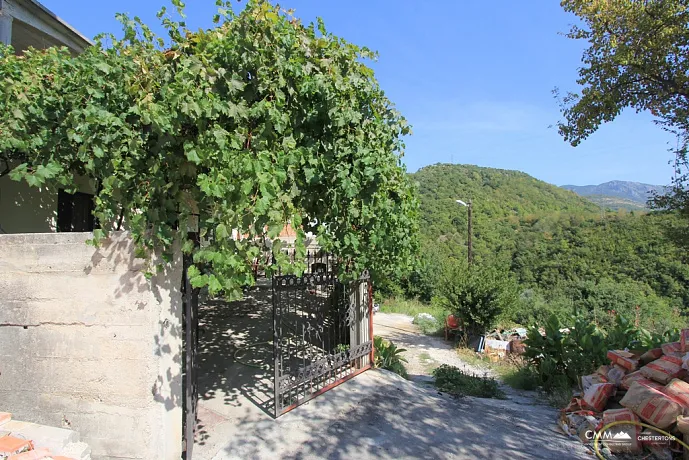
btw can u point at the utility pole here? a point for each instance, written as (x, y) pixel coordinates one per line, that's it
(470, 249)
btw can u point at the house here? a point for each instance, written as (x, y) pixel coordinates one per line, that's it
(86, 342)
(89, 343)
(25, 24)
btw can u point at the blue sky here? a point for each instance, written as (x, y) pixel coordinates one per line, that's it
(473, 78)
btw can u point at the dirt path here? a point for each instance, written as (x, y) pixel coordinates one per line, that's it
(425, 353)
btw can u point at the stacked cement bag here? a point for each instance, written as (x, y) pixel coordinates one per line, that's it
(650, 388)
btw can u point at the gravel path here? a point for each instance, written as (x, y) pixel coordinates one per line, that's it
(425, 353)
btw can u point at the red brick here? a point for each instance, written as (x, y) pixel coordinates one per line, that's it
(10, 445)
(37, 454)
(5, 417)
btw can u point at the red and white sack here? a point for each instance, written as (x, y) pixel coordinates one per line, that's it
(589, 380)
(651, 355)
(679, 391)
(603, 371)
(624, 359)
(672, 349)
(684, 340)
(652, 406)
(664, 369)
(641, 378)
(596, 397)
(631, 429)
(616, 374)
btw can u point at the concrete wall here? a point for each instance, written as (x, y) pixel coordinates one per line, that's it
(86, 342)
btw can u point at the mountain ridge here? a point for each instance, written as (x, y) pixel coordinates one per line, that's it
(638, 192)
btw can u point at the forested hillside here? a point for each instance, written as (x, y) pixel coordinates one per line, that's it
(562, 250)
(497, 194)
(614, 203)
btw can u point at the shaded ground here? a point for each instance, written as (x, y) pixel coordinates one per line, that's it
(375, 415)
(235, 375)
(381, 415)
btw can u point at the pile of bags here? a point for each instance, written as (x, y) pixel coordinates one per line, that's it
(650, 388)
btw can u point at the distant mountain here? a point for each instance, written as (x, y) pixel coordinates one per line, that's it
(603, 194)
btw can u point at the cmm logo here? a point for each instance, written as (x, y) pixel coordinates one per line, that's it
(609, 436)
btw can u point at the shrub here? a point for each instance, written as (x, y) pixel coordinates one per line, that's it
(429, 324)
(453, 380)
(429, 317)
(477, 295)
(387, 356)
(560, 354)
(563, 354)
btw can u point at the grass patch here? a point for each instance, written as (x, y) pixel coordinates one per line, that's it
(559, 396)
(521, 378)
(409, 307)
(429, 364)
(414, 308)
(514, 372)
(453, 380)
(424, 356)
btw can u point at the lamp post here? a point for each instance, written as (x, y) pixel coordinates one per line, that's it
(470, 251)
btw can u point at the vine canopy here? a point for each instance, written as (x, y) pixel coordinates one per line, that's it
(255, 123)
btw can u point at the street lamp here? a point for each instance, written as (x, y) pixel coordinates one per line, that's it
(469, 246)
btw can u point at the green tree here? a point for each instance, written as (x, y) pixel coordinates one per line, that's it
(477, 295)
(254, 123)
(601, 302)
(556, 244)
(636, 58)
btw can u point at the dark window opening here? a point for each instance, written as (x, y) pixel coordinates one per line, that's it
(75, 212)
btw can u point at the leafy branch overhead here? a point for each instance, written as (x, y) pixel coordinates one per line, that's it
(636, 58)
(257, 122)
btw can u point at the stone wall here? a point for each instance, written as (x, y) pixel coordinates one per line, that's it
(87, 343)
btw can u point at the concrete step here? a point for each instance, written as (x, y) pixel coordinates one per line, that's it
(58, 441)
(54, 439)
(78, 451)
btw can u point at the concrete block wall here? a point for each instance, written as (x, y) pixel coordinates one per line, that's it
(88, 343)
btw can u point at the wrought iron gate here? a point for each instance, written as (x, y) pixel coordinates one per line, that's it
(322, 334)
